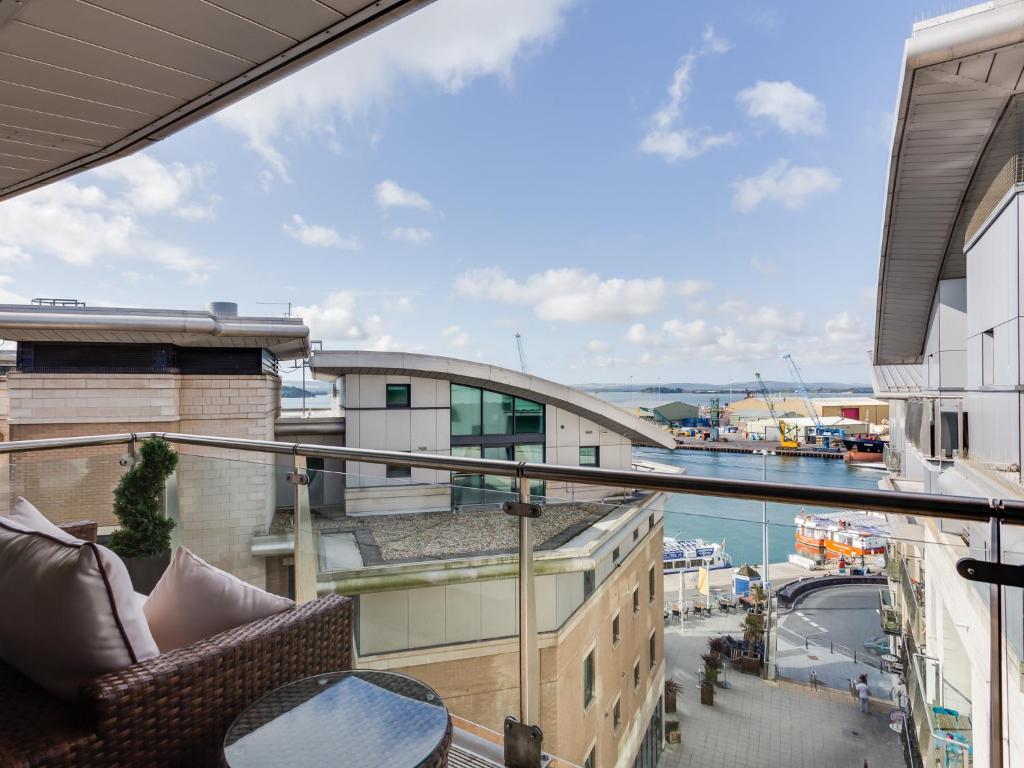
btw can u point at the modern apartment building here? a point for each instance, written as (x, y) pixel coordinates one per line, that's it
(947, 357)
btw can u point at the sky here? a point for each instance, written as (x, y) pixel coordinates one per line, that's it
(681, 193)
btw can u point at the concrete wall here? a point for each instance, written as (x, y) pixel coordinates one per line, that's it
(479, 681)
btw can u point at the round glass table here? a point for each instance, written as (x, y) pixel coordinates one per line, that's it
(358, 718)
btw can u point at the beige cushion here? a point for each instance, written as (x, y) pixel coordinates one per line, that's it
(70, 613)
(194, 600)
(25, 512)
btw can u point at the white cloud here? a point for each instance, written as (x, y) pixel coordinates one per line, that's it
(790, 185)
(790, 107)
(82, 224)
(317, 236)
(455, 336)
(156, 187)
(13, 254)
(598, 346)
(414, 235)
(335, 320)
(8, 296)
(764, 266)
(572, 295)
(665, 137)
(390, 194)
(446, 45)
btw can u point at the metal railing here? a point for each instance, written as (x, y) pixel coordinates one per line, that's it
(993, 511)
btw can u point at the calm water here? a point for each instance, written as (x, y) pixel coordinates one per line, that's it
(651, 399)
(739, 522)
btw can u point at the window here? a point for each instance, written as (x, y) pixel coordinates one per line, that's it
(651, 584)
(529, 418)
(588, 456)
(497, 414)
(636, 599)
(615, 555)
(588, 680)
(650, 522)
(588, 584)
(636, 676)
(467, 489)
(652, 650)
(395, 472)
(498, 483)
(466, 418)
(615, 630)
(636, 534)
(534, 454)
(591, 761)
(397, 396)
(616, 715)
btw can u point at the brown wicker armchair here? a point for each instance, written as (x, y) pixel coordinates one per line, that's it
(175, 709)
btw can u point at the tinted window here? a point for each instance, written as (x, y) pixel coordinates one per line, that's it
(588, 456)
(588, 679)
(397, 396)
(529, 417)
(497, 413)
(398, 473)
(636, 600)
(615, 630)
(465, 410)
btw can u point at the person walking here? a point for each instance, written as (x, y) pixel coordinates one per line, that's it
(862, 694)
(814, 679)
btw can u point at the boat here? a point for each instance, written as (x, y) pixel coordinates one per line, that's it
(688, 555)
(842, 534)
(863, 448)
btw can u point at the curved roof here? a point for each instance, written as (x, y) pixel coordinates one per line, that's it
(82, 83)
(960, 73)
(331, 364)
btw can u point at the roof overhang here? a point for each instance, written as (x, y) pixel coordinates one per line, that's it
(84, 83)
(959, 73)
(329, 365)
(286, 337)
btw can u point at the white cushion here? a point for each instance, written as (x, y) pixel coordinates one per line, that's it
(194, 600)
(70, 613)
(25, 512)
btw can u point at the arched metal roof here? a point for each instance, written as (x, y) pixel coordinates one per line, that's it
(82, 83)
(327, 365)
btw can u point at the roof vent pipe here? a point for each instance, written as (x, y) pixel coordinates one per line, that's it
(222, 308)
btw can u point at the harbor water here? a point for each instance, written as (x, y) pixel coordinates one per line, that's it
(738, 522)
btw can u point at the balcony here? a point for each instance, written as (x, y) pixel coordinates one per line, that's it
(489, 608)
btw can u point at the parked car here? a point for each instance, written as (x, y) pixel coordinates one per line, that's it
(878, 645)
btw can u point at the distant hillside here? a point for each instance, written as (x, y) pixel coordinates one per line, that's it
(290, 390)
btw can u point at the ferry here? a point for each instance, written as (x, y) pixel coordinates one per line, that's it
(841, 534)
(687, 555)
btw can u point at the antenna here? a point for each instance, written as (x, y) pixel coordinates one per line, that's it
(522, 353)
(278, 304)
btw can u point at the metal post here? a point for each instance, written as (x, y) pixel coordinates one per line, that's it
(764, 559)
(305, 549)
(529, 657)
(995, 652)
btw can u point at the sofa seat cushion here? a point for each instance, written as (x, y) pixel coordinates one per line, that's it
(70, 613)
(194, 600)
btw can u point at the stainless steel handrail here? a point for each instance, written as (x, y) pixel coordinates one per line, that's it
(896, 502)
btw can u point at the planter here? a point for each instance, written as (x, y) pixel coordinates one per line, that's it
(670, 700)
(146, 570)
(673, 733)
(707, 693)
(750, 665)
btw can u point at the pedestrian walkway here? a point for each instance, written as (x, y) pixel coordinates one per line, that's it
(767, 724)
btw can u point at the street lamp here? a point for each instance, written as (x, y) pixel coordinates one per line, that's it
(765, 582)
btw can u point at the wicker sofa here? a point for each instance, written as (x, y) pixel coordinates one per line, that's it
(172, 710)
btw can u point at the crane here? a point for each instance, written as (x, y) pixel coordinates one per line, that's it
(785, 441)
(522, 353)
(831, 435)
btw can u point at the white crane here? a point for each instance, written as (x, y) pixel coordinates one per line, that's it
(522, 353)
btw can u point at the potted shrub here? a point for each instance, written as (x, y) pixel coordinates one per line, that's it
(143, 539)
(712, 666)
(672, 690)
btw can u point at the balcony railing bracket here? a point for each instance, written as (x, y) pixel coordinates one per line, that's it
(991, 573)
(523, 745)
(521, 509)
(297, 478)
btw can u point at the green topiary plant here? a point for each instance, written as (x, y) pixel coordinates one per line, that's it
(145, 529)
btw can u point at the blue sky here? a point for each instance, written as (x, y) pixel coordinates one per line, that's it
(679, 194)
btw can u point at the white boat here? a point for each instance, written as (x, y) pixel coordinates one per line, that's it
(687, 555)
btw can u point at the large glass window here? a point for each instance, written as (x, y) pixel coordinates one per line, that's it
(465, 410)
(529, 417)
(466, 488)
(397, 396)
(498, 413)
(588, 679)
(534, 454)
(498, 483)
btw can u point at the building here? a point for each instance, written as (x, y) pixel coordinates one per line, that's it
(947, 360)
(867, 409)
(750, 408)
(99, 370)
(678, 414)
(431, 557)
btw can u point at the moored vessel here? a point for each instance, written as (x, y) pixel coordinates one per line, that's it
(842, 534)
(688, 555)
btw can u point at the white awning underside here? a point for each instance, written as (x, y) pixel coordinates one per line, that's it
(82, 83)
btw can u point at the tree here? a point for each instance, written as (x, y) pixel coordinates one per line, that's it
(145, 529)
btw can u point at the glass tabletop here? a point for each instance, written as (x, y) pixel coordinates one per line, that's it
(358, 718)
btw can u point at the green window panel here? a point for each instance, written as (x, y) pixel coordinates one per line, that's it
(498, 413)
(466, 417)
(397, 396)
(529, 417)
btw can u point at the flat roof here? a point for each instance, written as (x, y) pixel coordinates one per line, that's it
(286, 337)
(959, 74)
(84, 83)
(328, 365)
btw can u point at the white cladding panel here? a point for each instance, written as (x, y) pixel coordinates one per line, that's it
(993, 416)
(426, 616)
(992, 274)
